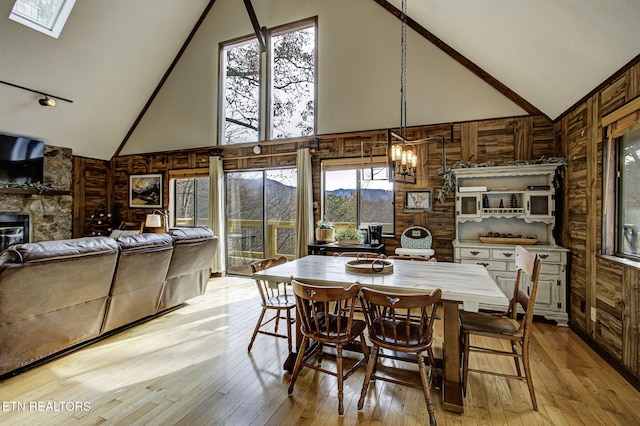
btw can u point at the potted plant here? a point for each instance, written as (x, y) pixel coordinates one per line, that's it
(325, 233)
(349, 237)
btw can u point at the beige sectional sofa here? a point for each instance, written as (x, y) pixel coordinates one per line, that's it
(57, 295)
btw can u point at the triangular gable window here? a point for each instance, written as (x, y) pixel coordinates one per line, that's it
(46, 16)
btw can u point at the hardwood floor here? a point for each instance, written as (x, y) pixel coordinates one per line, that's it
(191, 367)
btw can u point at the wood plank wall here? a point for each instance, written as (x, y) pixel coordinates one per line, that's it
(496, 140)
(92, 186)
(608, 285)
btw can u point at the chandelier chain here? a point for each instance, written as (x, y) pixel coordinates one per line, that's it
(403, 72)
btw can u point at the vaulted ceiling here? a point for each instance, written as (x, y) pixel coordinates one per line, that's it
(491, 58)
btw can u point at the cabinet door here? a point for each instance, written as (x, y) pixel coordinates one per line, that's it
(547, 288)
(468, 205)
(539, 205)
(506, 283)
(547, 291)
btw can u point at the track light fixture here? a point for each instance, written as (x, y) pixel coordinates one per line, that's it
(47, 101)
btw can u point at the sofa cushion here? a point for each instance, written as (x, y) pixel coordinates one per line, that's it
(142, 241)
(191, 234)
(49, 250)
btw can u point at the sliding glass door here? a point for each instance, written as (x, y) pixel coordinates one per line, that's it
(261, 214)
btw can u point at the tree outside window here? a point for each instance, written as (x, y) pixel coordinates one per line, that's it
(289, 86)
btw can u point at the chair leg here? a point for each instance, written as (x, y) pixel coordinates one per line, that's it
(426, 388)
(434, 371)
(364, 347)
(340, 379)
(289, 329)
(373, 359)
(298, 365)
(319, 352)
(516, 357)
(527, 373)
(255, 331)
(465, 361)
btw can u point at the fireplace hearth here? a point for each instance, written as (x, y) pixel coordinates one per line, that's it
(14, 229)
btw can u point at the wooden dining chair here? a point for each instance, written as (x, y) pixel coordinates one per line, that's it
(401, 323)
(275, 297)
(361, 255)
(323, 327)
(506, 326)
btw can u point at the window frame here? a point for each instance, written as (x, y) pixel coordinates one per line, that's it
(615, 126)
(199, 173)
(61, 15)
(357, 165)
(264, 98)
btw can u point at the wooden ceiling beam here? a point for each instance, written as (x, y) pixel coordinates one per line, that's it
(462, 60)
(260, 33)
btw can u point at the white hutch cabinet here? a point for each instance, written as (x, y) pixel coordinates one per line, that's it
(500, 207)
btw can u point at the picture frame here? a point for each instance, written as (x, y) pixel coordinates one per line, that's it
(418, 200)
(145, 191)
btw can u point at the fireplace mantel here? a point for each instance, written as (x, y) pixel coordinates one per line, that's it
(32, 191)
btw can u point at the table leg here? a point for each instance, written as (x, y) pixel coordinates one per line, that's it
(290, 362)
(452, 386)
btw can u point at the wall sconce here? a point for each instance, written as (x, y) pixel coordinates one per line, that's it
(158, 219)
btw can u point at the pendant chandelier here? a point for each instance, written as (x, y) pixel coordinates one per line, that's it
(403, 156)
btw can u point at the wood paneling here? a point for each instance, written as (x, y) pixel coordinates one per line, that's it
(92, 183)
(478, 141)
(608, 285)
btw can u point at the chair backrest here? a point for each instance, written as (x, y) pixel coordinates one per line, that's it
(527, 263)
(361, 255)
(269, 289)
(315, 304)
(417, 259)
(400, 320)
(125, 225)
(416, 237)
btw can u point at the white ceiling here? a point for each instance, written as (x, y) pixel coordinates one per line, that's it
(112, 54)
(550, 52)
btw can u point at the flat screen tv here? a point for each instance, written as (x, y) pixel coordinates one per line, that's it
(21, 159)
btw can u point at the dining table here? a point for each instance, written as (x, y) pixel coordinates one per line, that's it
(464, 286)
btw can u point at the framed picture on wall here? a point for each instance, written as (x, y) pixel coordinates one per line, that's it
(418, 200)
(145, 191)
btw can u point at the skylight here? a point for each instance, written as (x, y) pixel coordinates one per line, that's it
(46, 16)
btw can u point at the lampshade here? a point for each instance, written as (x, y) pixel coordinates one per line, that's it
(153, 221)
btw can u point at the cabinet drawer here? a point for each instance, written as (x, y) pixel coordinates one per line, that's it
(550, 268)
(503, 254)
(474, 253)
(491, 265)
(552, 257)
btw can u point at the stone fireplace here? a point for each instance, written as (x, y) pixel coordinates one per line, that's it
(48, 214)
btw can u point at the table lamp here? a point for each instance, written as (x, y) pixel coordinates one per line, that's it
(158, 219)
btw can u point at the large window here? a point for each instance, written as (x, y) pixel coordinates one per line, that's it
(46, 16)
(190, 199)
(288, 82)
(356, 196)
(629, 193)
